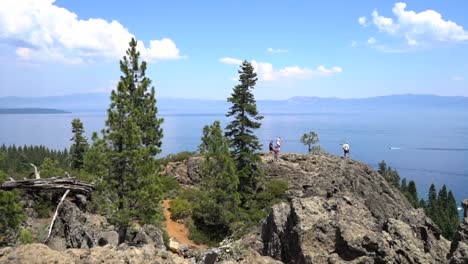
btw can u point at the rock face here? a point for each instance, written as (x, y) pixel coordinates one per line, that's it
(459, 249)
(342, 210)
(75, 229)
(186, 172)
(39, 253)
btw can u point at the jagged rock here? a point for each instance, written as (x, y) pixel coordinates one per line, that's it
(459, 248)
(147, 234)
(39, 253)
(108, 238)
(186, 172)
(73, 229)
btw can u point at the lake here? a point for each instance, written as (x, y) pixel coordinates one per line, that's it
(428, 147)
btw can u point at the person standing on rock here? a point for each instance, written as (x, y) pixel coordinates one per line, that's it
(346, 149)
(276, 150)
(278, 143)
(270, 146)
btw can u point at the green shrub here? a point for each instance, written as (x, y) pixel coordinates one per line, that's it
(170, 186)
(11, 212)
(201, 237)
(42, 207)
(184, 155)
(180, 209)
(25, 236)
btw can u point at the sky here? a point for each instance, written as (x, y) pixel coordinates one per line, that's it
(345, 49)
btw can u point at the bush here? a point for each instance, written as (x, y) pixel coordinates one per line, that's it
(42, 207)
(170, 186)
(180, 209)
(25, 236)
(184, 155)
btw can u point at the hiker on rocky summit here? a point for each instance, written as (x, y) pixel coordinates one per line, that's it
(270, 146)
(345, 149)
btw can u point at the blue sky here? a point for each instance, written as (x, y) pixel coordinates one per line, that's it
(347, 49)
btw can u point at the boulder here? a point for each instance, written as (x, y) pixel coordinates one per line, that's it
(320, 230)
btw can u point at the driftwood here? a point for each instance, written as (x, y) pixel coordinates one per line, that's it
(55, 215)
(50, 184)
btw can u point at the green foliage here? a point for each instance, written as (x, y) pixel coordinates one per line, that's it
(80, 145)
(169, 185)
(391, 176)
(181, 156)
(16, 160)
(180, 209)
(442, 209)
(129, 185)
(240, 132)
(42, 206)
(309, 140)
(217, 205)
(51, 168)
(25, 236)
(412, 194)
(11, 214)
(274, 192)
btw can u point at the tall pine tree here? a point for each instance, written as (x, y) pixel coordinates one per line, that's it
(240, 132)
(79, 146)
(218, 205)
(133, 136)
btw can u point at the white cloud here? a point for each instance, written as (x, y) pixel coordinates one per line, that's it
(44, 31)
(419, 29)
(458, 78)
(354, 44)
(363, 21)
(371, 40)
(271, 50)
(228, 60)
(266, 72)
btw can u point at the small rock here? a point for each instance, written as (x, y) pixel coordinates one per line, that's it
(210, 258)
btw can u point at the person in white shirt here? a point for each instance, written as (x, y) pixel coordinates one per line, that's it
(346, 149)
(278, 142)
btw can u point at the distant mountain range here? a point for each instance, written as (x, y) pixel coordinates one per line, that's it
(31, 111)
(298, 104)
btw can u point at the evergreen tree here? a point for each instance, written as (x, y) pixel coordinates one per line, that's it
(454, 218)
(309, 140)
(79, 146)
(133, 136)
(403, 186)
(11, 214)
(442, 198)
(432, 202)
(412, 194)
(218, 205)
(240, 132)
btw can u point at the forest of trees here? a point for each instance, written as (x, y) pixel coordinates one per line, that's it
(440, 206)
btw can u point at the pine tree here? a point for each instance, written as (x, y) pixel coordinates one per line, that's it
(412, 194)
(309, 140)
(79, 146)
(454, 218)
(432, 202)
(11, 210)
(442, 198)
(133, 136)
(403, 186)
(218, 206)
(240, 132)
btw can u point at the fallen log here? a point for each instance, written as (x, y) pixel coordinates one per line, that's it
(50, 184)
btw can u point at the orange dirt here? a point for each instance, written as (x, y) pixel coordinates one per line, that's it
(176, 230)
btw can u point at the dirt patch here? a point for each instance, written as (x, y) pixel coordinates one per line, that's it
(177, 230)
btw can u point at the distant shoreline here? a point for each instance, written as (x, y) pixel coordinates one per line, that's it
(20, 111)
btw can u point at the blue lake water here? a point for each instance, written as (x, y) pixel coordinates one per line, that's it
(430, 147)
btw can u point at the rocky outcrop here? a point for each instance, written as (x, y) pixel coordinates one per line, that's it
(186, 172)
(343, 211)
(75, 229)
(39, 253)
(459, 249)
